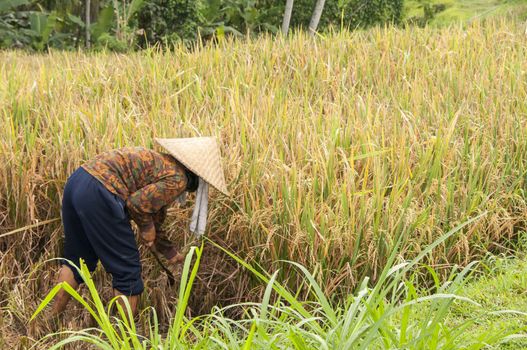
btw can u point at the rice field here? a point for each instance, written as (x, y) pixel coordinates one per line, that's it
(345, 154)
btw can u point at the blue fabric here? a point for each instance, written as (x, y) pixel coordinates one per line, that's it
(97, 227)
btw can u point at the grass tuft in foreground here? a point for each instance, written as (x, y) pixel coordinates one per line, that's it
(393, 314)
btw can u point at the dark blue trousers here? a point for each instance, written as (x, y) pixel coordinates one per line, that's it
(97, 227)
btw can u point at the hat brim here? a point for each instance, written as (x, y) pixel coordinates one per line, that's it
(200, 155)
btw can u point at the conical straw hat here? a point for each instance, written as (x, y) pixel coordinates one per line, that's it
(201, 155)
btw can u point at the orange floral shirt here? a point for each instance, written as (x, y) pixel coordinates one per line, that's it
(148, 181)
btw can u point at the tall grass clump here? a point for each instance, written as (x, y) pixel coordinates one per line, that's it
(335, 149)
(392, 315)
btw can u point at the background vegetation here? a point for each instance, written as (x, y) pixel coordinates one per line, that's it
(134, 24)
(125, 25)
(130, 25)
(446, 12)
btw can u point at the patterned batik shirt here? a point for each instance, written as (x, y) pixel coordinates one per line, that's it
(148, 181)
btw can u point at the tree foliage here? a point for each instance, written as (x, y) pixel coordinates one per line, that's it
(131, 24)
(166, 21)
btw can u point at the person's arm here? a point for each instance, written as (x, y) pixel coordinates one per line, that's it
(146, 202)
(161, 243)
(159, 218)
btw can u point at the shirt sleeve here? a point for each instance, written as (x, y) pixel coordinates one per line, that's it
(144, 203)
(159, 218)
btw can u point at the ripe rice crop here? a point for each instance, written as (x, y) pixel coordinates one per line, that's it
(334, 149)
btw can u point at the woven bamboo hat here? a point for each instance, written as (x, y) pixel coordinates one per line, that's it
(201, 155)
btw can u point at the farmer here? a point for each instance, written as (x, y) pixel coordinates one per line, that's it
(139, 184)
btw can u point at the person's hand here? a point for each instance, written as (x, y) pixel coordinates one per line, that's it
(148, 234)
(177, 259)
(168, 250)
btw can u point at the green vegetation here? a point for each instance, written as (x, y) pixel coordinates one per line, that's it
(128, 25)
(445, 12)
(503, 286)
